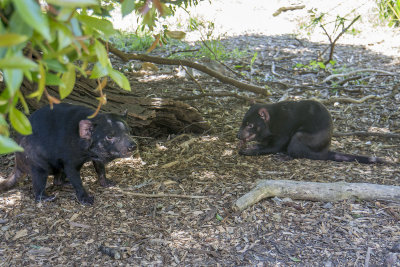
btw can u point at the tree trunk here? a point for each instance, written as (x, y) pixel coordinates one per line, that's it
(146, 116)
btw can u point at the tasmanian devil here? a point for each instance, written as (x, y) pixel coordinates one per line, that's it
(63, 139)
(302, 129)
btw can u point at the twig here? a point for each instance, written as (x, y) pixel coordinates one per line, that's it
(330, 77)
(349, 79)
(273, 70)
(360, 133)
(333, 43)
(287, 8)
(348, 100)
(191, 76)
(367, 257)
(162, 195)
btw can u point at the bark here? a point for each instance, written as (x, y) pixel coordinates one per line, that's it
(314, 191)
(146, 116)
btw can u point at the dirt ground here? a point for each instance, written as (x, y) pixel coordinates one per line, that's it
(124, 229)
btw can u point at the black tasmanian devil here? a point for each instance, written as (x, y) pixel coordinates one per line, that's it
(63, 139)
(302, 129)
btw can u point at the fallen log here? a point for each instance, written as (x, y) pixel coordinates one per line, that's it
(146, 116)
(326, 192)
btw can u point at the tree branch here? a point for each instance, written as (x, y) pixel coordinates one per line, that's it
(165, 61)
(223, 94)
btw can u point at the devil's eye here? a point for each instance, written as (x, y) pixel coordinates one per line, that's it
(250, 125)
(109, 137)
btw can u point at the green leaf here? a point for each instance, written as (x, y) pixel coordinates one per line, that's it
(101, 53)
(55, 65)
(64, 37)
(18, 62)
(127, 7)
(19, 121)
(3, 126)
(65, 14)
(53, 79)
(253, 58)
(30, 12)
(119, 78)
(295, 259)
(7, 145)
(76, 28)
(102, 25)
(149, 18)
(68, 79)
(41, 78)
(218, 217)
(13, 79)
(23, 102)
(73, 3)
(18, 26)
(98, 71)
(11, 39)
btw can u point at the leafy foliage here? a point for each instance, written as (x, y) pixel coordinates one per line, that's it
(128, 42)
(389, 10)
(46, 42)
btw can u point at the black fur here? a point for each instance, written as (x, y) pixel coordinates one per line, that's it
(63, 139)
(302, 129)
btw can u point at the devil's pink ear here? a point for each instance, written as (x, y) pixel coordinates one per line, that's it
(85, 129)
(264, 114)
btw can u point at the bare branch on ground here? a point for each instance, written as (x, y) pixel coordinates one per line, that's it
(327, 192)
(330, 77)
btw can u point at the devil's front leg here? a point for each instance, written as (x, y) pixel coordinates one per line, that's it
(101, 174)
(73, 174)
(270, 146)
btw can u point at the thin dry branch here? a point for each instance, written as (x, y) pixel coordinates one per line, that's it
(314, 191)
(330, 77)
(333, 43)
(349, 79)
(360, 133)
(194, 79)
(287, 8)
(348, 100)
(162, 195)
(166, 61)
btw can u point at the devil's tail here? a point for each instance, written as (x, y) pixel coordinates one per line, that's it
(9, 182)
(337, 156)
